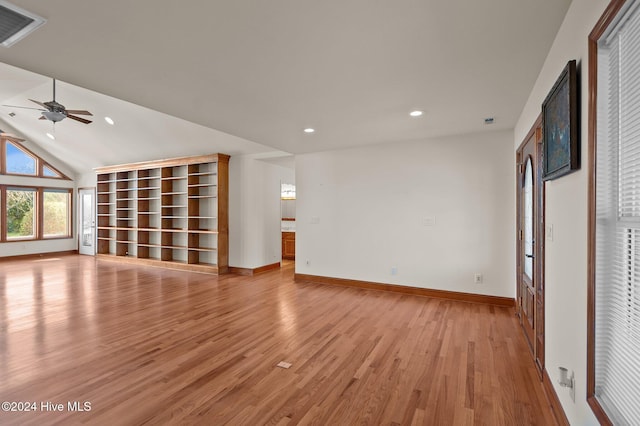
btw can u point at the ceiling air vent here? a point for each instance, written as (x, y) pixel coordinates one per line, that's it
(16, 23)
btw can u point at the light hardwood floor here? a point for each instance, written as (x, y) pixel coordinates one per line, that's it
(151, 346)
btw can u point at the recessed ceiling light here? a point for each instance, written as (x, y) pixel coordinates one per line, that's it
(109, 120)
(309, 130)
(416, 113)
(50, 136)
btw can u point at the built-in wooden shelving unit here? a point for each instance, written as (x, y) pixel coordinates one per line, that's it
(171, 213)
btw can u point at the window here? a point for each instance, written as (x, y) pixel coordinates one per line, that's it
(19, 161)
(56, 213)
(36, 213)
(528, 218)
(613, 386)
(20, 212)
(31, 213)
(48, 171)
(287, 191)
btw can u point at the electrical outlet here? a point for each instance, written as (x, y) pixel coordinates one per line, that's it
(477, 278)
(567, 381)
(394, 270)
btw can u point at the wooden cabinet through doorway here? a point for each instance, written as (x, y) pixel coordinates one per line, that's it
(289, 245)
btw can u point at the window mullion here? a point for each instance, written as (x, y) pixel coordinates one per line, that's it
(3, 154)
(40, 214)
(3, 216)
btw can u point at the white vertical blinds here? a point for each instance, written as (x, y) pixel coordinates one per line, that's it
(617, 346)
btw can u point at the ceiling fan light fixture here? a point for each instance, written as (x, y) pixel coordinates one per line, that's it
(54, 116)
(109, 120)
(54, 111)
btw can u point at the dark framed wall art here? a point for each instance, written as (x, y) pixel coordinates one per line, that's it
(561, 149)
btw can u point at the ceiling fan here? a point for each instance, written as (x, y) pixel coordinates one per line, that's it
(10, 137)
(55, 112)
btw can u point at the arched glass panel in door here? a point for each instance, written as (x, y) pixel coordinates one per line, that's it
(528, 219)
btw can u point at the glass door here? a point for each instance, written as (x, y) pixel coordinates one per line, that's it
(87, 216)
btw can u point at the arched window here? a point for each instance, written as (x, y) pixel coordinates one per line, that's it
(31, 212)
(18, 160)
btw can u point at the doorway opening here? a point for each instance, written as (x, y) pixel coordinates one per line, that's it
(288, 220)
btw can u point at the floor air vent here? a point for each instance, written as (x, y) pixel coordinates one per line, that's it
(16, 23)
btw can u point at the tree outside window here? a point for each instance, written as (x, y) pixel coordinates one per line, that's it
(20, 213)
(56, 213)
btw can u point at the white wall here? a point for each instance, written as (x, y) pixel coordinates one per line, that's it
(566, 210)
(371, 204)
(87, 180)
(254, 211)
(18, 248)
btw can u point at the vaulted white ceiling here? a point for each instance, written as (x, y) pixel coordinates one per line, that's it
(265, 70)
(138, 134)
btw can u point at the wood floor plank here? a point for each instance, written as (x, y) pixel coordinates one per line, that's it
(152, 346)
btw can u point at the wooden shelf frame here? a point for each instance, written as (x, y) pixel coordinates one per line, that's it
(171, 213)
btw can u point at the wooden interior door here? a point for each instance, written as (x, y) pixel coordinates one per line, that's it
(530, 252)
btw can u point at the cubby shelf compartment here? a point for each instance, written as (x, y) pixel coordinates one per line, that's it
(171, 213)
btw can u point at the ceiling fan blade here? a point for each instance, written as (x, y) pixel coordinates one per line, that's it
(80, 119)
(42, 117)
(16, 106)
(41, 104)
(78, 112)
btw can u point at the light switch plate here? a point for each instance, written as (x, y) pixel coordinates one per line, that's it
(429, 221)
